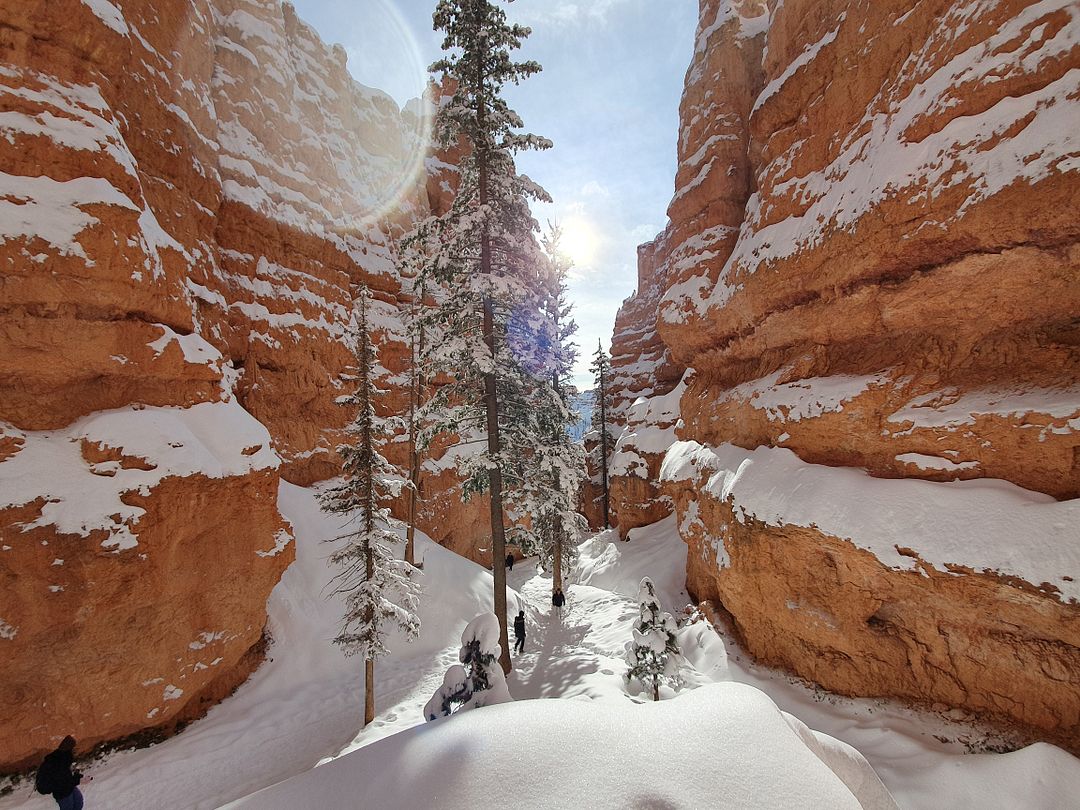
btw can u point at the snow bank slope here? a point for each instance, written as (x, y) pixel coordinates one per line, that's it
(746, 755)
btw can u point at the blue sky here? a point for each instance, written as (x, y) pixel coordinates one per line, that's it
(608, 97)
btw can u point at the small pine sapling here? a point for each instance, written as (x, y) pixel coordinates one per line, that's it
(653, 656)
(478, 680)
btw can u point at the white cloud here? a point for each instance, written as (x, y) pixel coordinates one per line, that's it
(594, 189)
(570, 12)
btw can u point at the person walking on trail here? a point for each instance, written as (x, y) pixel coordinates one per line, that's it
(509, 562)
(57, 777)
(519, 632)
(558, 600)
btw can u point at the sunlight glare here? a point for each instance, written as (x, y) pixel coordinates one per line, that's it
(579, 240)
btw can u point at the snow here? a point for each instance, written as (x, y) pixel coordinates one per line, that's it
(649, 428)
(196, 349)
(805, 57)
(50, 210)
(303, 708)
(108, 14)
(213, 439)
(748, 27)
(745, 755)
(983, 524)
(925, 462)
(949, 408)
(803, 399)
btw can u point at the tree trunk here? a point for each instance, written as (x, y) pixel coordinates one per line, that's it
(498, 532)
(414, 456)
(369, 690)
(556, 566)
(655, 689)
(491, 395)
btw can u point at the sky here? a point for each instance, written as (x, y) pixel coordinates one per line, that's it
(608, 98)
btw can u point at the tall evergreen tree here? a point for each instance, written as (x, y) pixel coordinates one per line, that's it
(601, 369)
(486, 261)
(557, 464)
(417, 335)
(654, 655)
(377, 588)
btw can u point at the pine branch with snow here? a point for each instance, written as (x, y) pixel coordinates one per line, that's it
(479, 679)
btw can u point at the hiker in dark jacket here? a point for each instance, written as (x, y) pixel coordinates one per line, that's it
(509, 562)
(57, 777)
(557, 599)
(519, 632)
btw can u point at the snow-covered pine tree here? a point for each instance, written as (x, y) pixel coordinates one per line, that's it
(556, 466)
(653, 656)
(479, 679)
(377, 588)
(407, 253)
(486, 261)
(601, 369)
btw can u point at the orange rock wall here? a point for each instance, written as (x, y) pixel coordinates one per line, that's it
(872, 262)
(190, 191)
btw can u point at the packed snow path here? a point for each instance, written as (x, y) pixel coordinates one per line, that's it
(304, 706)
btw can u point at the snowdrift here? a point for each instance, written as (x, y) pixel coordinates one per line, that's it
(555, 753)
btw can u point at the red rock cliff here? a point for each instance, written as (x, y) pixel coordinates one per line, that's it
(872, 269)
(190, 191)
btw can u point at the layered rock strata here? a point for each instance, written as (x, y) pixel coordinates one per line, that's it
(191, 192)
(872, 267)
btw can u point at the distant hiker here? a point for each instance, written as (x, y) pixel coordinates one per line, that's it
(519, 632)
(56, 776)
(509, 562)
(558, 600)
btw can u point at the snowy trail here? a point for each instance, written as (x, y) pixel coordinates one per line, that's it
(577, 654)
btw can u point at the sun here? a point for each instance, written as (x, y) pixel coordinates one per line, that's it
(578, 241)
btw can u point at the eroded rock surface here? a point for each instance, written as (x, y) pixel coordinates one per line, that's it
(190, 193)
(873, 265)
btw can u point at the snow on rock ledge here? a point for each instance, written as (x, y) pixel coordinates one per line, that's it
(83, 472)
(983, 525)
(962, 593)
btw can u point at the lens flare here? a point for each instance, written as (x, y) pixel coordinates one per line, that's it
(383, 51)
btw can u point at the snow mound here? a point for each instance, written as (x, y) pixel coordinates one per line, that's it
(655, 551)
(747, 754)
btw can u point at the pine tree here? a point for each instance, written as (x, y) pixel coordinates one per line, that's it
(556, 466)
(479, 679)
(654, 655)
(417, 335)
(484, 258)
(377, 588)
(601, 369)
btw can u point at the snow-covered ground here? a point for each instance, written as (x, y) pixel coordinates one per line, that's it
(723, 743)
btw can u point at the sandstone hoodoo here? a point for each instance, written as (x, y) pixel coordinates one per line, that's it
(872, 269)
